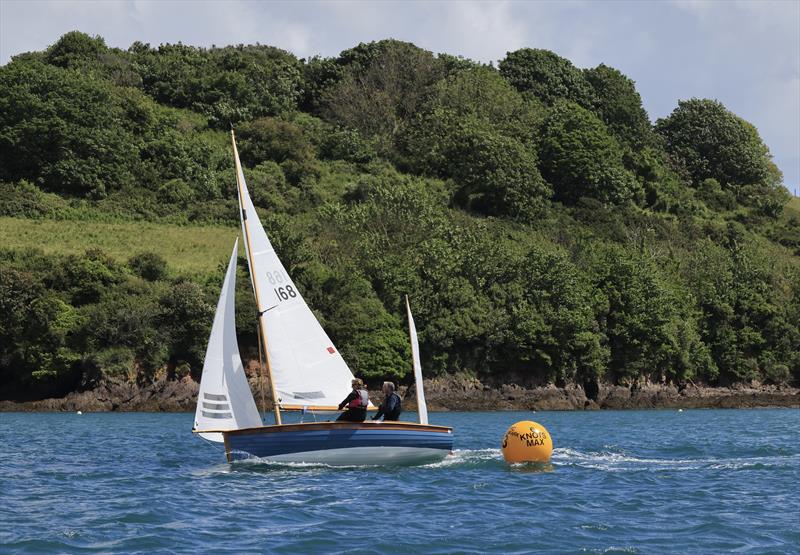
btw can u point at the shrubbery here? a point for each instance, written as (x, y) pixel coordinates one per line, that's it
(544, 230)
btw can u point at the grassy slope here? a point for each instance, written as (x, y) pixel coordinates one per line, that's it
(187, 249)
(793, 206)
(192, 250)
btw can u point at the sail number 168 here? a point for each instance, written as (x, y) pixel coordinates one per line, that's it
(285, 293)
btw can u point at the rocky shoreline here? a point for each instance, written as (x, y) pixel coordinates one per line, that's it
(461, 393)
(451, 393)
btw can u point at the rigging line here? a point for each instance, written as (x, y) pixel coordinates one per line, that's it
(262, 312)
(261, 380)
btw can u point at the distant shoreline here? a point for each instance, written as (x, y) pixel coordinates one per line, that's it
(451, 393)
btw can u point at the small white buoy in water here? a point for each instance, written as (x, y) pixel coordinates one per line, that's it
(79, 412)
(680, 410)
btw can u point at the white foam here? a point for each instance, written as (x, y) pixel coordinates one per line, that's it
(617, 462)
(467, 456)
(607, 460)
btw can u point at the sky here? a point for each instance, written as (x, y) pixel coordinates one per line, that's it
(745, 54)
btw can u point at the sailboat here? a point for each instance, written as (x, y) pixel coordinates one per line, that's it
(306, 373)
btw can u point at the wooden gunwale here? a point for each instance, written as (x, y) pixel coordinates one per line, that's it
(372, 408)
(307, 426)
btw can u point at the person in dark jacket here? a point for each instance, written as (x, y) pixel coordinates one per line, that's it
(356, 403)
(391, 407)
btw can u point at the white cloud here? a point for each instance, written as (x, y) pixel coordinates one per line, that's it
(484, 32)
(752, 56)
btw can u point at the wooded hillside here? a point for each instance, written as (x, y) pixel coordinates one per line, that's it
(544, 228)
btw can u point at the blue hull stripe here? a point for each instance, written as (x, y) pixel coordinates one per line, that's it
(270, 444)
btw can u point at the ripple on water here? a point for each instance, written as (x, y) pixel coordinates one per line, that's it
(624, 482)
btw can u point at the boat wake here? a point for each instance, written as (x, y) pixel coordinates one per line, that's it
(607, 461)
(617, 461)
(458, 458)
(468, 457)
(257, 463)
(612, 461)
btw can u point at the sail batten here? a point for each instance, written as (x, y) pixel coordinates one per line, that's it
(301, 356)
(224, 401)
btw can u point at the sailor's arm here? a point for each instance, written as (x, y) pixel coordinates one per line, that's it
(347, 399)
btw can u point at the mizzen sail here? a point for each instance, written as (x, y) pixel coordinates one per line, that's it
(422, 408)
(306, 369)
(225, 401)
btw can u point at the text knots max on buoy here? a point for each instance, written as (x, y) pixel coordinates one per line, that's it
(527, 441)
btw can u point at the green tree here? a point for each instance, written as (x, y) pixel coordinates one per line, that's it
(185, 317)
(268, 188)
(76, 49)
(482, 94)
(546, 76)
(497, 174)
(649, 333)
(714, 143)
(579, 158)
(746, 327)
(320, 75)
(149, 266)
(552, 324)
(342, 143)
(228, 84)
(34, 334)
(380, 89)
(125, 319)
(619, 106)
(373, 341)
(85, 278)
(477, 130)
(65, 131)
(591, 288)
(270, 139)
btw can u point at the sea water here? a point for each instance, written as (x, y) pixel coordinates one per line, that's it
(663, 481)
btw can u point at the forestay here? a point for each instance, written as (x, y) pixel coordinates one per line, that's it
(225, 401)
(422, 408)
(306, 368)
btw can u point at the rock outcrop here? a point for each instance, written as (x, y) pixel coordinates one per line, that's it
(449, 393)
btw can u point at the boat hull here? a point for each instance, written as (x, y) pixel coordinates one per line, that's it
(341, 443)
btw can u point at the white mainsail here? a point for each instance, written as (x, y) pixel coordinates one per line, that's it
(422, 408)
(306, 369)
(225, 401)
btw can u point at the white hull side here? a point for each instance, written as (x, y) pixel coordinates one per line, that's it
(214, 437)
(358, 456)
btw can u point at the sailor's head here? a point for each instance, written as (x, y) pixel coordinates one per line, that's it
(388, 387)
(357, 383)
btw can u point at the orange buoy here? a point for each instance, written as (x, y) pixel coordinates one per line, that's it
(527, 441)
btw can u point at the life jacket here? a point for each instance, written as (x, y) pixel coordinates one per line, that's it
(398, 408)
(360, 402)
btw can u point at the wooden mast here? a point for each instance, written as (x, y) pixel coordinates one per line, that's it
(262, 332)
